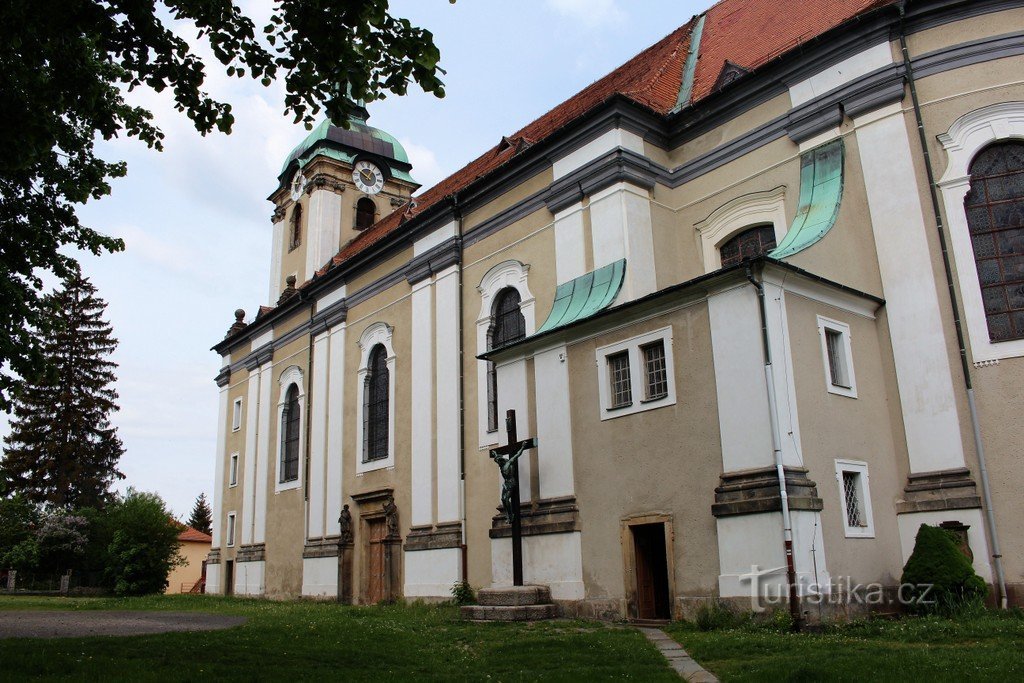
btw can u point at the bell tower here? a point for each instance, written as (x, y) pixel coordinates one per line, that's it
(335, 184)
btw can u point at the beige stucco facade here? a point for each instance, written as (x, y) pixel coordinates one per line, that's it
(701, 462)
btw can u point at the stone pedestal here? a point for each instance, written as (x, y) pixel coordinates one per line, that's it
(512, 603)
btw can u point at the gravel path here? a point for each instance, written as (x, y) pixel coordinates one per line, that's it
(65, 624)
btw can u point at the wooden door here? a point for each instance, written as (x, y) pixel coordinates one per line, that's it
(376, 531)
(644, 576)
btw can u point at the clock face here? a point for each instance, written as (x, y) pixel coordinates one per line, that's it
(298, 184)
(368, 177)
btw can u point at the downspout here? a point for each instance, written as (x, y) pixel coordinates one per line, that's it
(464, 547)
(787, 523)
(986, 491)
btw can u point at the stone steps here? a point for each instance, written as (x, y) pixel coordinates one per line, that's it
(512, 603)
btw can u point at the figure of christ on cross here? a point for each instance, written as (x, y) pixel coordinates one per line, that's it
(507, 459)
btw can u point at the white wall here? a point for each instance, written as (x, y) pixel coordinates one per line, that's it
(431, 573)
(554, 424)
(554, 560)
(320, 577)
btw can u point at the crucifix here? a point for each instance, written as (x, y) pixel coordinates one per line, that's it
(507, 459)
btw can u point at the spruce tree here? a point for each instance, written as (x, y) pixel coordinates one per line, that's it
(201, 518)
(62, 450)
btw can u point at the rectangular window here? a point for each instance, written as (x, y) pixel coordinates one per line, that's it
(231, 529)
(636, 374)
(837, 356)
(236, 415)
(655, 372)
(233, 473)
(618, 373)
(852, 477)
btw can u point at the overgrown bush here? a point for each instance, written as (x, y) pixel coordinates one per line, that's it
(938, 578)
(462, 593)
(62, 540)
(19, 519)
(144, 544)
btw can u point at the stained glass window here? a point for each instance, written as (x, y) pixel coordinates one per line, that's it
(376, 390)
(756, 241)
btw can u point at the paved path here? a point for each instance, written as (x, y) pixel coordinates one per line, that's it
(677, 657)
(75, 624)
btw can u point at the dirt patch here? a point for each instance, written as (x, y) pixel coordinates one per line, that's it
(66, 624)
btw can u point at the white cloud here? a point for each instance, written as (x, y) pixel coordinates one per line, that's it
(590, 13)
(425, 167)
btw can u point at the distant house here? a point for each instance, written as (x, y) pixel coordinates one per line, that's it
(189, 578)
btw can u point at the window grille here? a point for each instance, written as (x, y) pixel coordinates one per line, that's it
(995, 218)
(618, 371)
(851, 492)
(296, 231)
(756, 241)
(375, 406)
(290, 436)
(655, 371)
(509, 326)
(366, 213)
(836, 358)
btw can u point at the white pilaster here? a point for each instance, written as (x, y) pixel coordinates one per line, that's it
(249, 464)
(918, 339)
(335, 429)
(554, 425)
(218, 472)
(422, 383)
(318, 437)
(323, 229)
(739, 379)
(621, 227)
(513, 396)
(446, 300)
(259, 525)
(570, 259)
(276, 249)
(596, 148)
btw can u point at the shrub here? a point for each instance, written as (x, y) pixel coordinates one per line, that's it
(938, 578)
(18, 520)
(63, 539)
(462, 593)
(144, 544)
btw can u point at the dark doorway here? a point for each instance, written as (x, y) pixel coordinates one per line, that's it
(229, 577)
(652, 599)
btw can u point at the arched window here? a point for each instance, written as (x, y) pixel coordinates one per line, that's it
(995, 218)
(508, 325)
(375, 405)
(750, 243)
(290, 421)
(366, 213)
(296, 229)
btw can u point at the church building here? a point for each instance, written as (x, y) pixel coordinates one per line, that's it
(758, 294)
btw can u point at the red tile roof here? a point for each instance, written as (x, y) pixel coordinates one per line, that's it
(749, 33)
(194, 535)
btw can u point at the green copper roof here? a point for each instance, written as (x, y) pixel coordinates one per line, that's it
(586, 295)
(686, 87)
(821, 191)
(345, 144)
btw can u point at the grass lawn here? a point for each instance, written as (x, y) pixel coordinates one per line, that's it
(289, 641)
(989, 647)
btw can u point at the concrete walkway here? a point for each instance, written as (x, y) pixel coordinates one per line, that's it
(677, 658)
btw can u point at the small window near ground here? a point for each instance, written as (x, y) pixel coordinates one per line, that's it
(852, 477)
(231, 529)
(655, 371)
(636, 374)
(236, 415)
(837, 356)
(233, 473)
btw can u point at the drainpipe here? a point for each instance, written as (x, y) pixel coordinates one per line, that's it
(787, 523)
(979, 447)
(464, 547)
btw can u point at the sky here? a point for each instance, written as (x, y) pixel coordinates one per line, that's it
(196, 222)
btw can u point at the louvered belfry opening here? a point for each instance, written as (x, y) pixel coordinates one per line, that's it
(375, 405)
(756, 241)
(995, 218)
(366, 213)
(290, 423)
(509, 326)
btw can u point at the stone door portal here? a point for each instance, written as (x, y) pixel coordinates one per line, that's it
(652, 594)
(376, 567)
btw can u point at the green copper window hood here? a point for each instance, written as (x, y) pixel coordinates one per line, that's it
(584, 296)
(821, 191)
